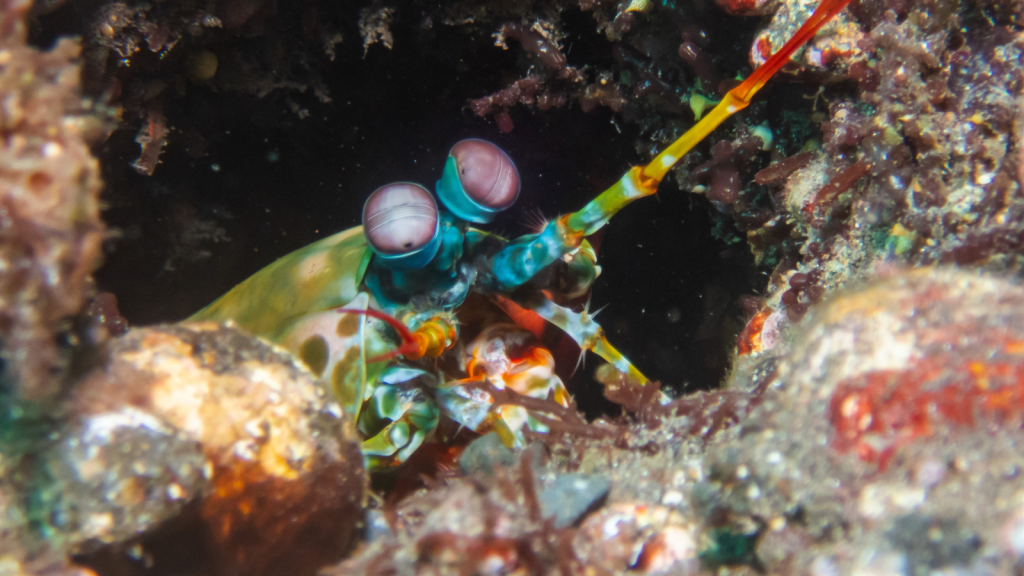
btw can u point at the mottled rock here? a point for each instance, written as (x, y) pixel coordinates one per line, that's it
(571, 496)
(484, 453)
(648, 538)
(119, 473)
(887, 440)
(922, 167)
(929, 351)
(221, 449)
(21, 552)
(13, 563)
(434, 531)
(888, 430)
(476, 525)
(931, 542)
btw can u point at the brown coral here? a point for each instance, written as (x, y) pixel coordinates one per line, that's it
(50, 230)
(924, 169)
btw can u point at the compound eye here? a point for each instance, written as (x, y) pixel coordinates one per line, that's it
(487, 173)
(400, 219)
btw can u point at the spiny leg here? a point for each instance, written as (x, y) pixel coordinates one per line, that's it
(581, 327)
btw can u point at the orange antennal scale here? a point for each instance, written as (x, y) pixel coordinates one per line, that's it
(409, 345)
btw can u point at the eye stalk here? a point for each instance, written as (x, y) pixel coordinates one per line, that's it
(402, 225)
(479, 180)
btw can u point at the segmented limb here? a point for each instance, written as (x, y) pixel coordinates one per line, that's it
(581, 327)
(643, 180)
(522, 259)
(398, 417)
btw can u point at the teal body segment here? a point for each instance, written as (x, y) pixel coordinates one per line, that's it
(526, 256)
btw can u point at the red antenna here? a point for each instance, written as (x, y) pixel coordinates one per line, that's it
(409, 344)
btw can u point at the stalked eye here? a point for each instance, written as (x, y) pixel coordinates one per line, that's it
(479, 181)
(487, 174)
(400, 222)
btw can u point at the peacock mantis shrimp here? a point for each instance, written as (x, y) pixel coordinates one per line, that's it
(339, 303)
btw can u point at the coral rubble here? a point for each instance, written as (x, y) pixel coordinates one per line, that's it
(192, 447)
(903, 429)
(829, 473)
(923, 168)
(226, 436)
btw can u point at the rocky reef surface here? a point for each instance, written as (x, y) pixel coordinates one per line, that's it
(841, 328)
(886, 441)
